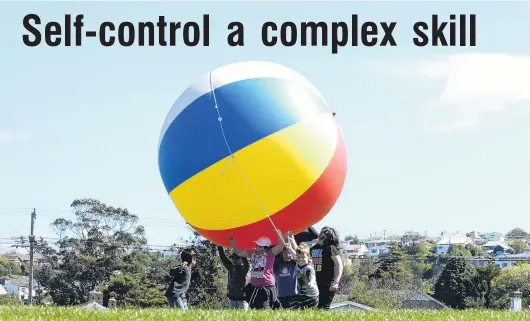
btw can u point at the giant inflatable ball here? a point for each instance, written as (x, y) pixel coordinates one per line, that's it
(250, 146)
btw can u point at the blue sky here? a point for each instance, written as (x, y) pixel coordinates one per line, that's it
(436, 137)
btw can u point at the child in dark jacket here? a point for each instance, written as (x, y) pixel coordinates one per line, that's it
(285, 272)
(180, 282)
(237, 278)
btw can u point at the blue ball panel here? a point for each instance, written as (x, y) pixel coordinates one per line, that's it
(250, 109)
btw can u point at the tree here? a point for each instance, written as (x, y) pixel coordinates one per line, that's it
(8, 268)
(518, 245)
(10, 299)
(474, 250)
(352, 239)
(482, 284)
(455, 284)
(136, 284)
(410, 241)
(510, 279)
(517, 233)
(91, 248)
(458, 250)
(134, 290)
(393, 268)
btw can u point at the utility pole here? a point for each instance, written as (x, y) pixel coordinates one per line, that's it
(31, 250)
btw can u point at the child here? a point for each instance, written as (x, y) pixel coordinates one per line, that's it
(262, 290)
(180, 283)
(307, 284)
(237, 278)
(328, 265)
(284, 271)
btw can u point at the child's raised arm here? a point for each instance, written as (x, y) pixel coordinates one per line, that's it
(291, 243)
(239, 252)
(281, 244)
(226, 262)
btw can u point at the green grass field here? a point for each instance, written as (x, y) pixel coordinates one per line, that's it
(13, 313)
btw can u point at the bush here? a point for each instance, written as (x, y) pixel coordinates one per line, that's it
(10, 299)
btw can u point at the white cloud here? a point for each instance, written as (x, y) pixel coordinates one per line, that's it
(7, 136)
(473, 85)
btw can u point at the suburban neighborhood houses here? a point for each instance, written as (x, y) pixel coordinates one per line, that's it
(408, 271)
(495, 246)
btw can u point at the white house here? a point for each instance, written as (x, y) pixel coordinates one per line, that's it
(355, 250)
(442, 247)
(506, 260)
(490, 245)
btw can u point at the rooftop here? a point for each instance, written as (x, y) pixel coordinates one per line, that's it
(494, 243)
(448, 240)
(345, 304)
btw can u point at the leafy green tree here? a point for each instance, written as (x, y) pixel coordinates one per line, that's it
(394, 268)
(367, 267)
(91, 247)
(510, 279)
(9, 268)
(10, 299)
(137, 284)
(458, 250)
(354, 239)
(481, 289)
(134, 290)
(455, 284)
(517, 233)
(410, 241)
(518, 245)
(474, 250)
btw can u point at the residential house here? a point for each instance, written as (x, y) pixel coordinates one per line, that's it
(14, 257)
(443, 245)
(378, 247)
(477, 238)
(18, 285)
(377, 243)
(491, 245)
(22, 259)
(379, 250)
(506, 260)
(355, 250)
(350, 306)
(412, 300)
(502, 249)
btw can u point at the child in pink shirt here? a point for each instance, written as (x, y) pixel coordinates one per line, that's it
(262, 290)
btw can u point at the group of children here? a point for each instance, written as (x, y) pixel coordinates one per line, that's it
(288, 275)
